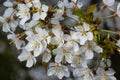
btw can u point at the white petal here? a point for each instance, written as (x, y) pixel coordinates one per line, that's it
(55, 21)
(69, 57)
(45, 8)
(89, 35)
(74, 1)
(110, 72)
(109, 62)
(36, 16)
(98, 49)
(57, 32)
(29, 62)
(83, 40)
(2, 20)
(23, 20)
(54, 41)
(112, 78)
(30, 46)
(57, 51)
(52, 64)
(58, 58)
(29, 4)
(109, 2)
(66, 37)
(19, 44)
(118, 43)
(8, 12)
(100, 71)
(118, 9)
(89, 54)
(60, 74)
(88, 76)
(43, 15)
(51, 71)
(48, 39)
(6, 28)
(79, 4)
(78, 72)
(86, 27)
(13, 25)
(23, 7)
(23, 56)
(8, 4)
(66, 71)
(84, 63)
(75, 35)
(69, 44)
(46, 57)
(37, 3)
(38, 51)
(76, 47)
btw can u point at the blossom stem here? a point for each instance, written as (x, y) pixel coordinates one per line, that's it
(33, 27)
(103, 55)
(99, 59)
(99, 12)
(109, 16)
(109, 31)
(55, 5)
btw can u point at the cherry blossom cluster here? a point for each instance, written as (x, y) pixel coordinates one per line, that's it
(45, 31)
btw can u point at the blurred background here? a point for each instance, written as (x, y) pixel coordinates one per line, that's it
(12, 69)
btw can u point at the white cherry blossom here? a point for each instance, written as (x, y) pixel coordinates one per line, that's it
(85, 34)
(9, 24)
(57, 17)
(105, 75)
(79, 60)
(58, 70)
(43, 35)
(63, 53)
(84, 73)
(89, 48)
(23, 13)
(72, 40)
(15, 39)
(58, 39)
(34, 44)
(41, 10)
(27, 56)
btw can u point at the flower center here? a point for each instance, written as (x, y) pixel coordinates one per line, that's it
(72, 41)
(104, 77)
(36, 45)
(7, 19)
(43, 37)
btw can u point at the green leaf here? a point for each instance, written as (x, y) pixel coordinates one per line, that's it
(79, 13)
(91, 8)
